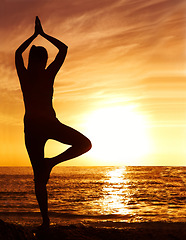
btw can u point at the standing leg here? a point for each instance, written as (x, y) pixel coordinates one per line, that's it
(35, 148)
(42, 198)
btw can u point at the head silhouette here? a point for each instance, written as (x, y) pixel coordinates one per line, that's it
(38, 57)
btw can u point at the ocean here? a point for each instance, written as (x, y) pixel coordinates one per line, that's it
(98, 196)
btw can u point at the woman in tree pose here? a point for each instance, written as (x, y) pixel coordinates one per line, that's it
(40, 122)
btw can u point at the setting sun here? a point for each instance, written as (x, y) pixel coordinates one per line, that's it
(122, 83)
(119, 134)
(92, 119)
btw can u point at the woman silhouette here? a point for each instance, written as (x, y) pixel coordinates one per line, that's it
(40, 122)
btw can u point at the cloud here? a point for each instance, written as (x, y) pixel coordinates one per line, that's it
(112, 44)
(122, 52)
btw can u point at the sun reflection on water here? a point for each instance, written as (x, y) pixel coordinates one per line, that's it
(115, 193)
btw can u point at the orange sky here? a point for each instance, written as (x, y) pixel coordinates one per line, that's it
(121, 53)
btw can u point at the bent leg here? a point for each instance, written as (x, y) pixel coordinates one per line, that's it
(67, 135)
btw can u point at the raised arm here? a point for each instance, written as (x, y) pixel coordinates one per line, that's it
(24, 45)
(56, 64)
(18, 54)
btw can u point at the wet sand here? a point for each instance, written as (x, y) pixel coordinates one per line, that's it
(132, 231)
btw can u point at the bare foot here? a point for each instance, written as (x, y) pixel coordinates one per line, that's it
(43, 229)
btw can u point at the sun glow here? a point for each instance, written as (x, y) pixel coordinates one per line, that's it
(119, 135)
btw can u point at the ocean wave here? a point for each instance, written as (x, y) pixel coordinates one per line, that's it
(136, 194)
(67, 215)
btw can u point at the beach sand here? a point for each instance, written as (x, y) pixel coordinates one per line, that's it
(132, 231)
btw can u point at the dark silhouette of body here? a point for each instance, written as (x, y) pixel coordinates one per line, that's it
(40, 122)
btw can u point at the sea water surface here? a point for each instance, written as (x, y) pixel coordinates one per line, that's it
(102, 195)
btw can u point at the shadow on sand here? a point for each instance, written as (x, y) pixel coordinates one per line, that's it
(135, 231)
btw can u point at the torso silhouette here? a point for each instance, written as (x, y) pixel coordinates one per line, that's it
(37, 88)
